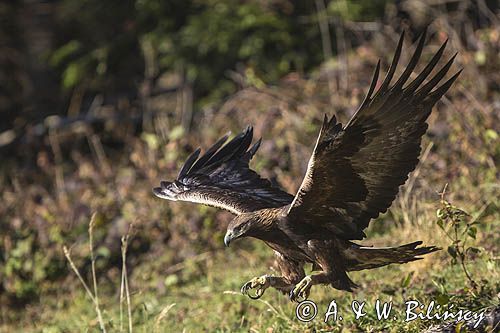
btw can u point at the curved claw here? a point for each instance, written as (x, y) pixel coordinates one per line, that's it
(244, 288)
(301, 291)
(297, 297)
(259, 284)
(258, 293)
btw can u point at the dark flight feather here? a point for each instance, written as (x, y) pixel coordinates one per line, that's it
(222, 178)
(355, 171)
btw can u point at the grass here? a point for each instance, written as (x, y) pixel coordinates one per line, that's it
(207, 298)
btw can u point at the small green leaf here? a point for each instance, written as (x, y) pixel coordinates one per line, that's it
(442, 299)
(64, 52)
(440, 223)
(491, 134)
(151, 140)
(452, 251)
(171, 280)
(176, 133)
(474, 250)
(480, 57)
(72, 75)
(406, 281)
(103, 251)
(460, 326)
(472, 231)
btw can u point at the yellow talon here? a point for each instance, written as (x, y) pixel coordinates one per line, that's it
(301, 290)
(260, 284)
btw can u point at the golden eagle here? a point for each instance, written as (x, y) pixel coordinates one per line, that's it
(353, 175)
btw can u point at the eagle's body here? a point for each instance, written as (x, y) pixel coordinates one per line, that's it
(296, 244)
(353, 175)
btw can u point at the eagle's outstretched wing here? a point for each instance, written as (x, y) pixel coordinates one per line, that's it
(222, 178)
(355, 171)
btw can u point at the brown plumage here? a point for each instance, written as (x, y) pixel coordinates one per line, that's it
(353, 176)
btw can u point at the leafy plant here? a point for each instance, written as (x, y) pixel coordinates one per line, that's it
(459, 227)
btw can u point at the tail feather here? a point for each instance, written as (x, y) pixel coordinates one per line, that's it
(343, 282)
(373, 257)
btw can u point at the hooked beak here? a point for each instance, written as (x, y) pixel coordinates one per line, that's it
(228, 238)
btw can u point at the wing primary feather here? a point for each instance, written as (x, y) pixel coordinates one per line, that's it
(368, 95)
(435, 80)
(157, 191)
(245, 142)
(394, 64)
(332, 121)
(209, 153)
(249, 154)
(426, 71)
(354, 174)
(324, 126)
(413, 62)
(189, 162)
(222, 178)
(441, 90)
(372, 85)
(227, 151)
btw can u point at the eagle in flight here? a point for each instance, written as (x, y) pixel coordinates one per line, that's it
(353, 176)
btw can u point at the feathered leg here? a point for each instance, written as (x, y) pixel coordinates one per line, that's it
(338, 281)
(333, 271)
(291, 273)
(261, 283)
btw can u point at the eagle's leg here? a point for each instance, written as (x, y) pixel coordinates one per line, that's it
(339, 280)
(261, 283)
(302, 289)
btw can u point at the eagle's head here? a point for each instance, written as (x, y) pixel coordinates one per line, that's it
(243, 225)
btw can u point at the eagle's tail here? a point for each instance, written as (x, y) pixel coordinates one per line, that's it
(373, 257)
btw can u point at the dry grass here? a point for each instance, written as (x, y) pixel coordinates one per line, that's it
(94, 295)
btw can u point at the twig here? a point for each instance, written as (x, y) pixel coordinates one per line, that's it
(405, 197)
(73, 267)
(87, 289)
(94, 276)
(187, 106)
(325, 41)
(122, 292)
(162, 315)
(124, 285)
(443, 192)
(56, 149)
(96, 146)
(342, 54)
